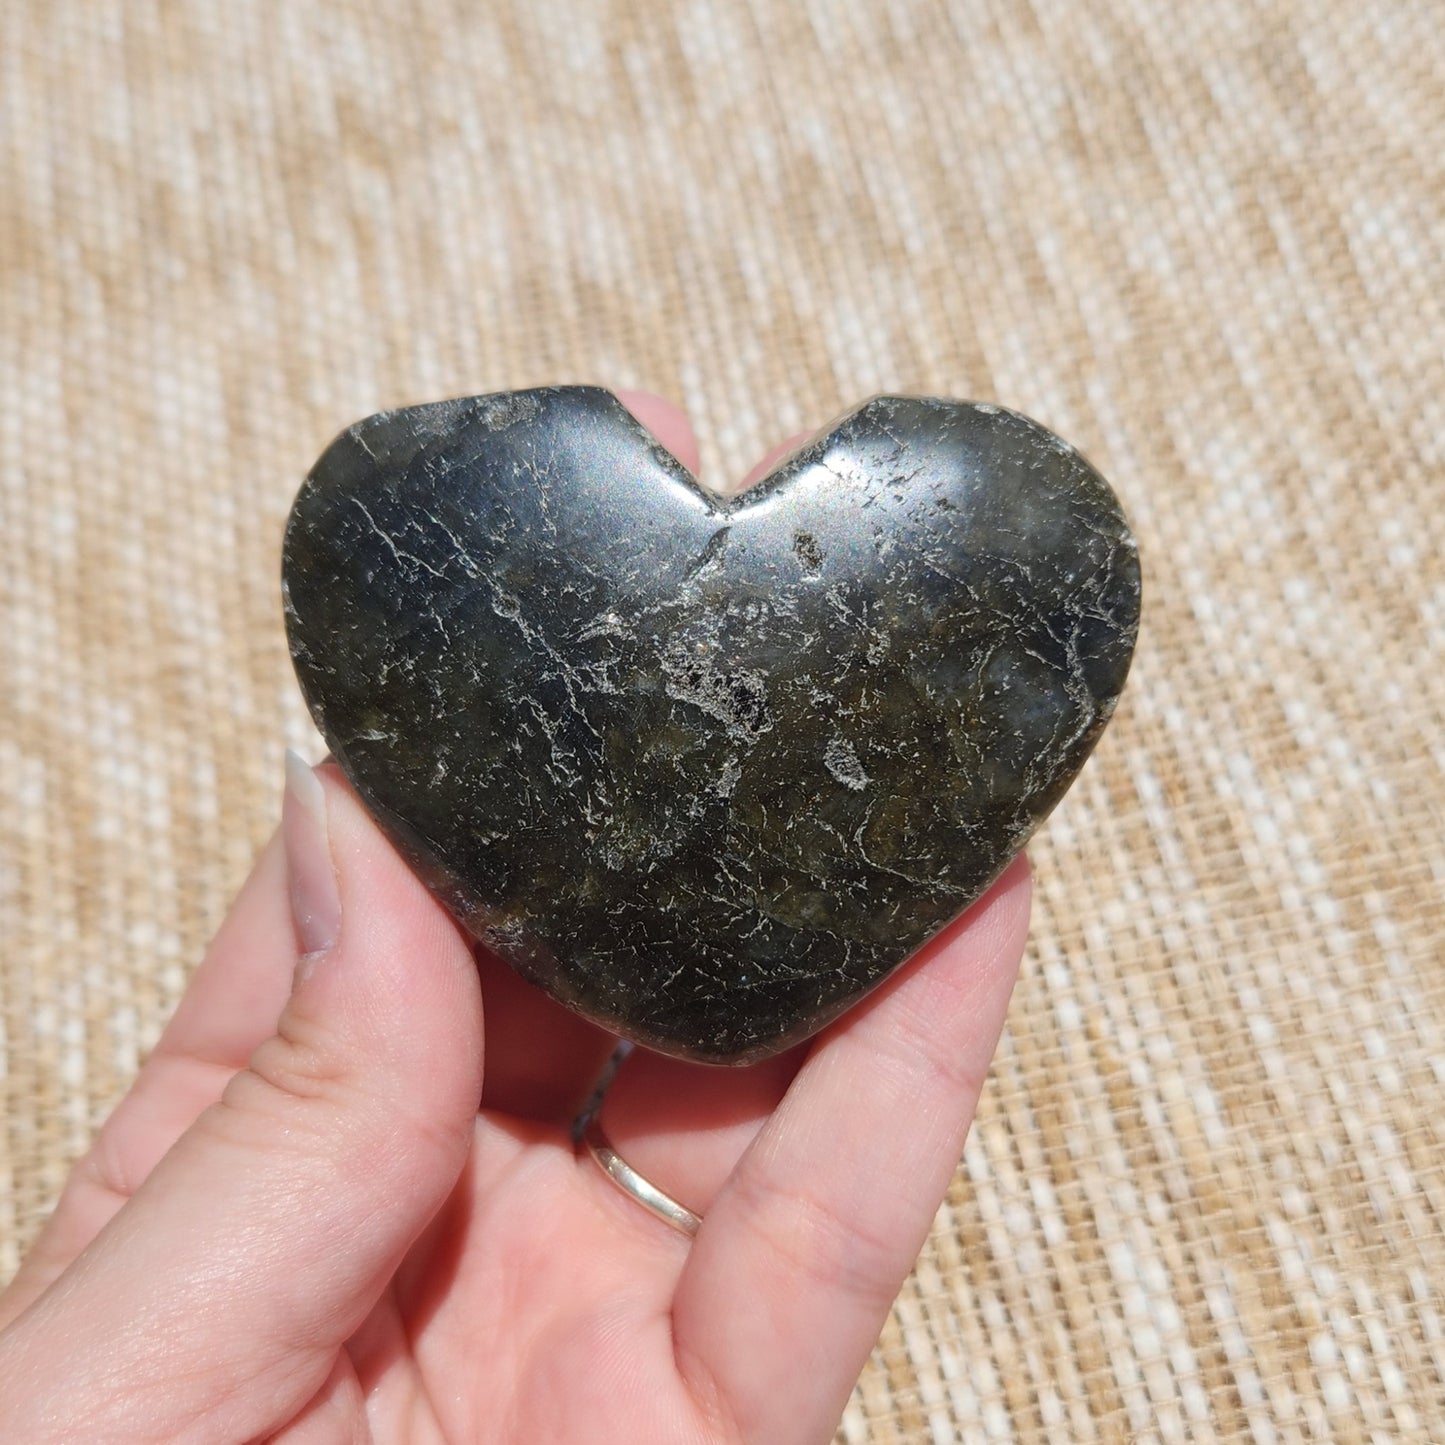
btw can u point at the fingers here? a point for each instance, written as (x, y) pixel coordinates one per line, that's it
(771, 458)
(684, 1127)
(669, 425)
(220, 1294)
(542, 1059)
(231, 1005)
(804, 1249)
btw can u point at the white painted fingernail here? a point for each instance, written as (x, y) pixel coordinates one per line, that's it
(315, 898)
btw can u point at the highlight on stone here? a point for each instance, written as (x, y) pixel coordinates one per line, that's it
(707, 769)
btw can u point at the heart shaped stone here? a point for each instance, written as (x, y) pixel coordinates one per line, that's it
(707, 769)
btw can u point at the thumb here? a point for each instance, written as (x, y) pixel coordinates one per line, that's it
(213, 1304)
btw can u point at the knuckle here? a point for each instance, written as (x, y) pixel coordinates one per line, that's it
(303, 1060)
(304, 1089)
(940, 1069)
(926, 1052)
(296, 1092)
(108, 1166)
(821, 1243)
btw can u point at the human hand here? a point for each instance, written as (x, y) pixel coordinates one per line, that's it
(299, 1226)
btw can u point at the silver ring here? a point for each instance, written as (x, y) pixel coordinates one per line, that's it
(632, 1184)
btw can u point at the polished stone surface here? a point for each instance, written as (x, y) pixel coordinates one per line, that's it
(707, 770)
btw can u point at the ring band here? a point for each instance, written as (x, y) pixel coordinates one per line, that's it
(632, 1184)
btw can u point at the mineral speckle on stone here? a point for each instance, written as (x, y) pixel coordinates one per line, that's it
(707, 769)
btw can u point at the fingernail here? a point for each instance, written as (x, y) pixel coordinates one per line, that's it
(315, 899)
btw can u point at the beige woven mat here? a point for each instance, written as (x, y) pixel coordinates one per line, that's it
(1204, 1198)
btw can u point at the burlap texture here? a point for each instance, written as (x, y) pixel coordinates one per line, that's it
(1204, 1196)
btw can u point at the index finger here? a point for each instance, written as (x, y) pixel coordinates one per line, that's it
(803, 1252)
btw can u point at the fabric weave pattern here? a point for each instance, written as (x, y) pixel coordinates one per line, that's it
(1205, 1194)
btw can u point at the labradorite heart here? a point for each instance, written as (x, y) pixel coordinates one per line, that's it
(707, 770)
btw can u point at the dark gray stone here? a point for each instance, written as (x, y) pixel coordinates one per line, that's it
(707, 770)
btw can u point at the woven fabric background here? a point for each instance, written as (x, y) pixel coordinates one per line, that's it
(1204, 1198)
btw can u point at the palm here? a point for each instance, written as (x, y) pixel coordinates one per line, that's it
(546, 1304)
(540, 1290)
